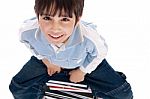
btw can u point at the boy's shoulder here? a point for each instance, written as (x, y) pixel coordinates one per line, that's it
(28, 29)
(88, 24)
(90, 32)
(88, 28)
(29, 24)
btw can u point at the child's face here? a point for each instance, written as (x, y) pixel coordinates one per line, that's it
(57, 29)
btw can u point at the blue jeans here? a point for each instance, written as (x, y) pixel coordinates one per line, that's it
(29, 82)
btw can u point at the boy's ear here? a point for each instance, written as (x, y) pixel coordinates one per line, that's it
(78, 20)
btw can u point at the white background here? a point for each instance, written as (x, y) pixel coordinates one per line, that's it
(125, 25)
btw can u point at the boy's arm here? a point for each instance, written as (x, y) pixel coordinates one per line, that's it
(96, 54)
(51, 68)
(97, 51)
(32, 50)
(25, 37)
(26, 34)
(92, 66)
(95, 61)
(95, 47)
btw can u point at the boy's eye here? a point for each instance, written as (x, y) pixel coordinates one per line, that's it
(65, 19)
(46, 18)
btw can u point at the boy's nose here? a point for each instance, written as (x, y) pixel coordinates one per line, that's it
(55, 25)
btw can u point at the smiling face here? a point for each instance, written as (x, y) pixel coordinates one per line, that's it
(57, 18)
(58, 28)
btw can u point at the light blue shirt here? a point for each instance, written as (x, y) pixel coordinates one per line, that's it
(84, 49)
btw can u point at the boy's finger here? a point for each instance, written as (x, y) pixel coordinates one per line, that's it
(71, 72)
(50, 72)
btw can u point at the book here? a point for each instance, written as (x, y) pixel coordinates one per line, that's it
(67, 90)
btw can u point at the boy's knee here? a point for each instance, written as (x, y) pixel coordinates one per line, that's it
(122, 92)
(14, 88)
(20, 91)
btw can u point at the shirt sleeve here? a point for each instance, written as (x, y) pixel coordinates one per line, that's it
(26, 36)
(94, 58)
(32, 50)
(97, 50)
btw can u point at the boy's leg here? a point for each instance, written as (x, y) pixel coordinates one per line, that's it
(108, 84)
(29, 82)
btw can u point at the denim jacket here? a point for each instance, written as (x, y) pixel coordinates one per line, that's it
(85, 48)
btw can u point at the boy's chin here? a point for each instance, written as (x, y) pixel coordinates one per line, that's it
(56, 43)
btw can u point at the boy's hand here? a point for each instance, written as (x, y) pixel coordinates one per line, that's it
(51, 68)
(76, 75)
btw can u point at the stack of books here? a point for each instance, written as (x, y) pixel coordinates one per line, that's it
(67, 90)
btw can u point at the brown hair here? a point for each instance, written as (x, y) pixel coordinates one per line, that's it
(52, 6)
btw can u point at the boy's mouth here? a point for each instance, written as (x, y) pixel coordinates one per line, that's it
(56, 36)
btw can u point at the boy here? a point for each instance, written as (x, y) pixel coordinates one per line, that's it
(68, 49)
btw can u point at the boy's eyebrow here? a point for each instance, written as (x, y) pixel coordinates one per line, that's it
(46, 14)
(63, 15)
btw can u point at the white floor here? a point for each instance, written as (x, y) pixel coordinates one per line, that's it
(125, 25)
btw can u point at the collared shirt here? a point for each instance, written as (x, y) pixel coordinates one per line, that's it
(85, 48)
